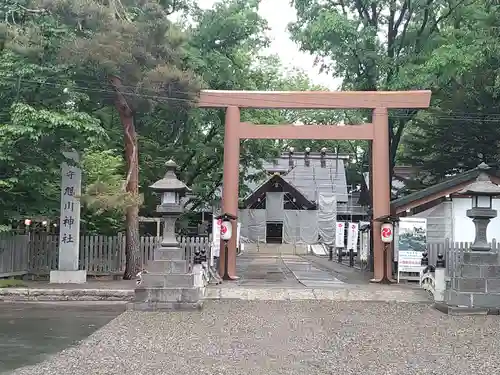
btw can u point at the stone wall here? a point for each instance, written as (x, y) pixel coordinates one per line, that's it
(476, 283)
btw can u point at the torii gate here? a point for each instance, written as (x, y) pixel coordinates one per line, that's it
(377, 132)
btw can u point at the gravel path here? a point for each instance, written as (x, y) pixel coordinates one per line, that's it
(286, 337)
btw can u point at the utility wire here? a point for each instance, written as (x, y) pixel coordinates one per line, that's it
(464, 116)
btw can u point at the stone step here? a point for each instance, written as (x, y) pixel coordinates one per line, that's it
(461, 310)
(168, 295)
(480, 271)
(167, 266)
(165, 306)
(264, 248)
(473, 285)
(473, 299)
(167, 280)
(162, 253)
(480, 258)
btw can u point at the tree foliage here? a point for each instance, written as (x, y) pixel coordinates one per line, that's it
(118, 81)
(375, 45)
(462, 130)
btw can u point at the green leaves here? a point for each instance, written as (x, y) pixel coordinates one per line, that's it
(389, 45)
(464, 73)
(105, 183)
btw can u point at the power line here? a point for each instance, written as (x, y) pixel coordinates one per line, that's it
(469, 116)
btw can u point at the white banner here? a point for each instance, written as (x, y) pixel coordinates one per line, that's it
(215, 238)
(339, 235)
(238, 231)
(364, 242)
(352, 237)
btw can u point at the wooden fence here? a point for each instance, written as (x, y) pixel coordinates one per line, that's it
(99, 255)
(453, 252)
(14, 254)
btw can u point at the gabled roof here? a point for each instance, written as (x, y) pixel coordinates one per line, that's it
(309, 181)
(450, 185)
(313, 178)
(276, 178)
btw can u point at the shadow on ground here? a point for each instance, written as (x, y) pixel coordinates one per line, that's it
(30, 332)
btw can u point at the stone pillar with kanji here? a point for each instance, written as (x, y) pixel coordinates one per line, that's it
(68, 271)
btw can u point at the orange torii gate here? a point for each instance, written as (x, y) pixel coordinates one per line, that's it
(377, 131)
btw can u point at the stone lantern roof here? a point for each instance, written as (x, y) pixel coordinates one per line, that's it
(482, 185)
(170, 182)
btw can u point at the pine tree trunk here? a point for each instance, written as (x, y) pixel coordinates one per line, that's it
(132, 244)
(132, 248)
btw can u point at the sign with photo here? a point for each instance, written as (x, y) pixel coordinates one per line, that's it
(412, 242)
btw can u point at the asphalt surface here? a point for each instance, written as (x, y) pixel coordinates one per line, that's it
(286, 337)
(30, 332)
(256, 270)
(310, 276)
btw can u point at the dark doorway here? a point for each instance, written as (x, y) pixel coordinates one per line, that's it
(274, 232)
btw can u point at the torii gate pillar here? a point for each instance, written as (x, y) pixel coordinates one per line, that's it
(377, 132)
(381, 190)
(230, 185)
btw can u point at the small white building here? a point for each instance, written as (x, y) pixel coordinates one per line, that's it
(445, 208)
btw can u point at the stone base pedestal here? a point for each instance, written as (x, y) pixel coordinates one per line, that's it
(475, 289)
(167, 285)
(460, 310)
(160, 299)
(68, 277)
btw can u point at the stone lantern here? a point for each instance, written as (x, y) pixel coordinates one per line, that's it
(171, 207)
(167, 283)
(482, 191)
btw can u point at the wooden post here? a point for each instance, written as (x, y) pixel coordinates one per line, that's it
(230, 185)
(381, 191)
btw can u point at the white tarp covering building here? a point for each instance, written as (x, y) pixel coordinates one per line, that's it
(299, 201)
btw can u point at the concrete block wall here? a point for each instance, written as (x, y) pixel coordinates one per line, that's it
(477, 282)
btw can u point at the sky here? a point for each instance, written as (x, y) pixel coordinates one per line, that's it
(278, 14)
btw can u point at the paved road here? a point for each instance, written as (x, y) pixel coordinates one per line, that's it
(261, 270)
(309, 275)
(28, 332)
(341, 271)
(286, 337)
(282, 271)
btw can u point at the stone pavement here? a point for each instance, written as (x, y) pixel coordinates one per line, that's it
(263, 270)
(286, 337)
(341, 271)
(309, 275)
(342, 293)
(228, 292)
(262, 277)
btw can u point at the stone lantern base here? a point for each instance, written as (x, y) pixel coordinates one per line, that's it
(475, 289)
(168, 285)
